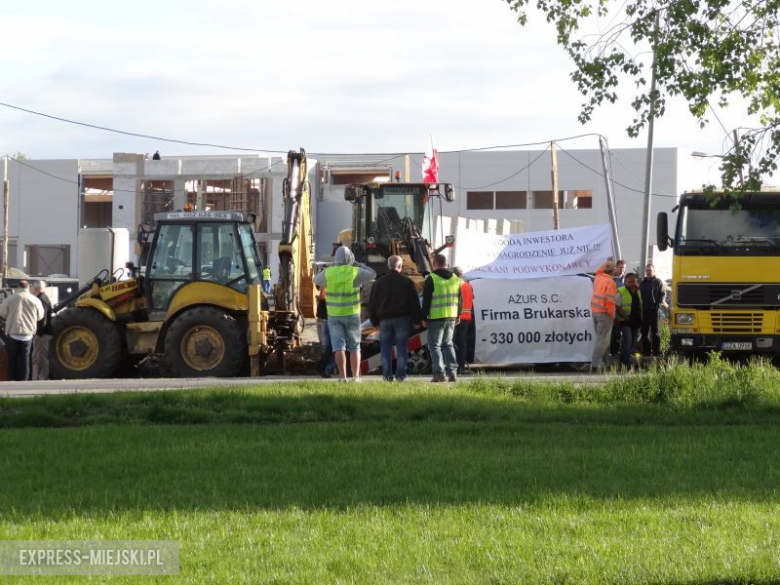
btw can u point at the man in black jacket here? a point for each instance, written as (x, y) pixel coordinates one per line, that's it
(40, 347)
(653, 292)
(394, 306)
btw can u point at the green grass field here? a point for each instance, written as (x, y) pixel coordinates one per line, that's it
(672, 477)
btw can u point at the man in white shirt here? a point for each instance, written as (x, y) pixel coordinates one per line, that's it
(21, 312)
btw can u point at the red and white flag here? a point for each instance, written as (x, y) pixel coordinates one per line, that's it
(430, 164)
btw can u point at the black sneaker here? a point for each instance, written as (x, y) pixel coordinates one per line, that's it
(438, 379)
(452, 378)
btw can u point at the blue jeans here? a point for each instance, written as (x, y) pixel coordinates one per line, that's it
(440, 345)
(267, 286)
(392, 332)
(629, 337)
(327, 363)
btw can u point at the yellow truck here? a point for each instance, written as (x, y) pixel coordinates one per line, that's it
(726, 273)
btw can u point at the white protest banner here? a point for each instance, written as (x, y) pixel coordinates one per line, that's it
(535, 254)
(533, 321)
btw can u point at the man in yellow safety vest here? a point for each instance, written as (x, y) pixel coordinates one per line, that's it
(628, 307)
(267, 280)
(343, 281)
(442, 305)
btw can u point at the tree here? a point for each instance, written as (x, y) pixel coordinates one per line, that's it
(706, 52)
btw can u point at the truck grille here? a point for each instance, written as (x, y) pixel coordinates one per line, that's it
(728, 294)
(737, 322)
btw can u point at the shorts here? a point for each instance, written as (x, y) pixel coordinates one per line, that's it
(344, 332)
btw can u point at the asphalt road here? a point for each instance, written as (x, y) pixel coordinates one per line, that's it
(50, 387)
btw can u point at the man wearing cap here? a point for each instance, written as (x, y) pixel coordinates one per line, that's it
(602, 308)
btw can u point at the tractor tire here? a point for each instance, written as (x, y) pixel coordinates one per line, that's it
(84, 344)
(206, 342)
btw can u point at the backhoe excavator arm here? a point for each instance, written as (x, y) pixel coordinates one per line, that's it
(295, 291)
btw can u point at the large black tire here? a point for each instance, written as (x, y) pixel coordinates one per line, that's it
(206, 342)
(84, 344)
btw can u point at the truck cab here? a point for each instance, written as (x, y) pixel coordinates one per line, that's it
(726, 273)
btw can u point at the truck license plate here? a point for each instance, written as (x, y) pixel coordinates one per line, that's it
(740, 345)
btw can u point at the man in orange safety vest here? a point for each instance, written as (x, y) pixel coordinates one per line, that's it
(602, 308)
(466, 324)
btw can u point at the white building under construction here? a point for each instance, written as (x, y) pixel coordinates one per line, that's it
(53, 201)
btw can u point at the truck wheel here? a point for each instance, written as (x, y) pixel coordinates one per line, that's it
(206, 342)
(84, 344)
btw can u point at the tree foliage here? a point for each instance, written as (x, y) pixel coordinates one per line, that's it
(707, 52)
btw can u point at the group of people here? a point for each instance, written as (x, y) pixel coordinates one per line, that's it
(27, 331)
(394, 307)
(625, 313)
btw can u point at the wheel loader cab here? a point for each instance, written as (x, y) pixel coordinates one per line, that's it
(189, 247)
(393, 218)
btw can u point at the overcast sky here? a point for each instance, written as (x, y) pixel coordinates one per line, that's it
(326, 75)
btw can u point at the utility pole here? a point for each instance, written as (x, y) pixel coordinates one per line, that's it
(649, 165)
(5, 218)
(554, 173)
(610, 199)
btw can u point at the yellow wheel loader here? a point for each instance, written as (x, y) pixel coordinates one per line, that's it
(390, 218)
(199, 298)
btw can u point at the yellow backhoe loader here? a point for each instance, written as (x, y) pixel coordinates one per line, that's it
(198, 300)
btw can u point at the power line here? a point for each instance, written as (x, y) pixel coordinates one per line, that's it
(42, 171)
(528, 166)
(274, 151)
(136, 134)
(600, 174)
(637, 177)
(66, 180)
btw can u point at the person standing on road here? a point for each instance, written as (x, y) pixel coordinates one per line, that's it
(602, 309)
(461, 338)
(343, 281)
(442, 305)
(614, 344)
(628, 307)
(653, 296)
(21, 312)
(266, 280)
(327, 363)
(40, 346)
(620, 272)
(394, 307)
